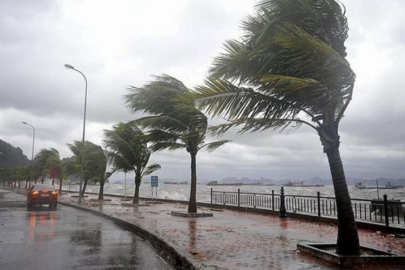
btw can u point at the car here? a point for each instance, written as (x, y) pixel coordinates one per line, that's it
(42, 194)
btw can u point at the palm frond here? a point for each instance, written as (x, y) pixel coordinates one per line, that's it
(159, 146)
(151, 168)
(157, 135)
(174, 120)
(166, 123)
(257, 125)
(291, 58)
(219, 97)
(153, 97)
(214, 145)
(325, 18)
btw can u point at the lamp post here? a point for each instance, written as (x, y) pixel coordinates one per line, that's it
(33, 146)
(84, 130)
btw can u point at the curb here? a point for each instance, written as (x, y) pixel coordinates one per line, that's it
(167, 252)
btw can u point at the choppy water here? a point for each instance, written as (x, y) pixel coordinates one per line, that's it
(182, 192)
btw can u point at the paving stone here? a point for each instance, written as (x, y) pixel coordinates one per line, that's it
(237, 240)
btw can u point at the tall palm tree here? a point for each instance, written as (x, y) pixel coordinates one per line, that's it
(175, 122)
(127, 150)
(290, 68)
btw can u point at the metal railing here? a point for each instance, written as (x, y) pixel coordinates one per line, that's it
(377, 211)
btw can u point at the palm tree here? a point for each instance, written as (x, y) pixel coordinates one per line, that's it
(54, 167)
(94, 165)
(68, 168)
(7, 176)
(290, 68)
(175, 122)
(127, 150)
(23, 173)
(47, 162)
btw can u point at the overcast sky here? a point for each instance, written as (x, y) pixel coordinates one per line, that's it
(121, 43)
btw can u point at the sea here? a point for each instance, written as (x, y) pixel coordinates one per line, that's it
(181, 192)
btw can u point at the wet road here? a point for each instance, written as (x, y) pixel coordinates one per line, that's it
(67, 238)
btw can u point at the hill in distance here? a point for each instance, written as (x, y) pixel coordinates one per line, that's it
(11, 156)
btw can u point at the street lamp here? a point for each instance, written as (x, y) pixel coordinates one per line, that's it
(84, 130)
(33, 145)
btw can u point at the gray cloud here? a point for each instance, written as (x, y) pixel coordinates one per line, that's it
(123, 43)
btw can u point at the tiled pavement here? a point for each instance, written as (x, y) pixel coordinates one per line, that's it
(235, 240)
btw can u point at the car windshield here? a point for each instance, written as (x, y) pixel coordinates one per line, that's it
(43, 187)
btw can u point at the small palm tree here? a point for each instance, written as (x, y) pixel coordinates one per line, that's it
(127, 150)
(47, 163)
(94, 164)
(22, 173)
(7, 176)
(68, 168)
(290, 68)
(54, 167)
(175, 122)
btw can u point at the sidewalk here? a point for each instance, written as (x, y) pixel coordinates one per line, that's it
(234, 240)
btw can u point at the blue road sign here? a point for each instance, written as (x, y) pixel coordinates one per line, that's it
(154, 181)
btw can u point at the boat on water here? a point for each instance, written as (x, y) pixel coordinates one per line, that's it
(360, 185)
(389, 185)
(300, 184)
(175, 183)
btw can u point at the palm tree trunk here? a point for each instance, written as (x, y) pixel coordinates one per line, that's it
(53, 181)
(192, 204)
(348, 238)
(137, 184)
(60, 186)
(101, 192)
(84, 187)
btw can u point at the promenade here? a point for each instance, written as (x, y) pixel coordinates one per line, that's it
(236, 240)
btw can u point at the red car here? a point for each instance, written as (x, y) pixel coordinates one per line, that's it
(42, 194)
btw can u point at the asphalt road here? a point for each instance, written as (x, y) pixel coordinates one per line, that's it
(67, 238)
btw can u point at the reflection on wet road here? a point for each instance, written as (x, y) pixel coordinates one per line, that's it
(67, 239)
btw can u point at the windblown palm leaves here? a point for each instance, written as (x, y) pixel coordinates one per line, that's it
(55, 168)
(174, 121)
(127, 150)
(289, 68)
(292, 58)
(48, 163)
(94, 164)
